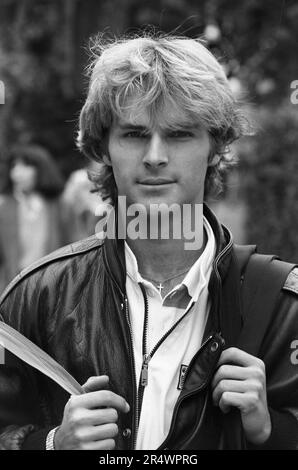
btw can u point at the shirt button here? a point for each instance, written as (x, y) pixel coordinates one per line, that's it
(214, 346)
(126, 433)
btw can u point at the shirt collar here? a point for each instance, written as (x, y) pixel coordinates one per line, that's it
(197, 276)
(132, 268)
(199, 273)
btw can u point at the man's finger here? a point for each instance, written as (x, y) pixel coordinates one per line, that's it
(107, 444)
(238, 357)
(96, 417)
(230, 372)
(239, 386)
(100, 399)
(104, 416)
(242, 401)
(98, 433)
(95, 383)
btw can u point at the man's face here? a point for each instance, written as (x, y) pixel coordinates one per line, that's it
(161, 163)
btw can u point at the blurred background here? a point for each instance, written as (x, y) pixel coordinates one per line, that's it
(43, 55)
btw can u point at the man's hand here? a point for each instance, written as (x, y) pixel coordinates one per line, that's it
(89, 420)
(240, 381)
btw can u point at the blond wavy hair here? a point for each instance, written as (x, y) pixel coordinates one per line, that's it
(154, 70)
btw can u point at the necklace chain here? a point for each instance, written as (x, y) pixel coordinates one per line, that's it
(165, 280)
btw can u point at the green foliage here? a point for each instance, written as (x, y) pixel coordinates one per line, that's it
(269, 172)
(41, 101)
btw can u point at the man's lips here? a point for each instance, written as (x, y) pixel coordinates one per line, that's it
(155, 181)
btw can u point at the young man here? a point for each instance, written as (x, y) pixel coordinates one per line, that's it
(153, 327)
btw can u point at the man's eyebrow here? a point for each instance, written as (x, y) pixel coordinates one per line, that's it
(184, 126)
(129, 125)
(180, 127)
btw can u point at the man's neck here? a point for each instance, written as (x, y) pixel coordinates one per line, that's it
(161, 259)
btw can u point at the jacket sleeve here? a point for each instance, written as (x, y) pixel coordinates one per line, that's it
(280, 355)
(22, 414)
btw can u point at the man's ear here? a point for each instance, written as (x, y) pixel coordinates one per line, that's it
(107, 160)
(214, 160)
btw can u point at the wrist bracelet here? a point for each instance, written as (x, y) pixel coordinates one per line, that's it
(50, 439)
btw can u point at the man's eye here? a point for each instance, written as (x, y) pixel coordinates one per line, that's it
(135, 135)
(180, 134)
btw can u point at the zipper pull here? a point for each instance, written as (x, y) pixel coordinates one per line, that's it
(144, 373)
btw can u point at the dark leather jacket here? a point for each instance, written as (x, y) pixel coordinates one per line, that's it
(73, 305)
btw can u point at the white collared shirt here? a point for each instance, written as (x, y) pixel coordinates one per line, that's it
(167, 366)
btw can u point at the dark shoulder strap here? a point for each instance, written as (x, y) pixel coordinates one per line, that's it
(263, 279)
(243, 254)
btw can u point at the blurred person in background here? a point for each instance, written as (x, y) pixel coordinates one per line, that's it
(81, 204)
(31, 225)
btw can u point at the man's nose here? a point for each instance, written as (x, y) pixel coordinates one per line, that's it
(156, 153)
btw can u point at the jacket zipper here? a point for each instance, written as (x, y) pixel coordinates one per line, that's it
(215, 267)
(134, 430)
(221, 255)
(148, 356)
